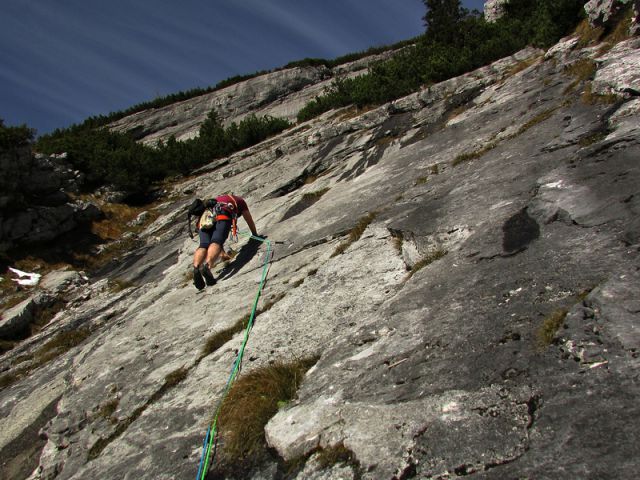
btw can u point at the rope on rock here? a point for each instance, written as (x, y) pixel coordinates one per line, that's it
(211, 438)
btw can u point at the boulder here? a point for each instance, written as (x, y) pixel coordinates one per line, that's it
(17, 319)
(494, 9)
(619, 70)
(58, 281)
(603, 13)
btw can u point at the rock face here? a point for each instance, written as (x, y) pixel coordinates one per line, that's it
(605, 12)
(485, 323)
(494, 9)
(34, 204)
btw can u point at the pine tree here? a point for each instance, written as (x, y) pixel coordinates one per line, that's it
(443, 20)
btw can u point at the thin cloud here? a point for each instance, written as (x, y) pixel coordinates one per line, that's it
(84, 57)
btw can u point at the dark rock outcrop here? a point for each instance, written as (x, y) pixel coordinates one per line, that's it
(35, 205)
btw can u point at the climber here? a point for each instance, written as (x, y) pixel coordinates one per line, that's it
(226, 209)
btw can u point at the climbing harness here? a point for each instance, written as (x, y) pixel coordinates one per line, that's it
(210, 443)
(229, 211)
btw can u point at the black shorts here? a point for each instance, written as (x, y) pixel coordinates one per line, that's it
(218, 234)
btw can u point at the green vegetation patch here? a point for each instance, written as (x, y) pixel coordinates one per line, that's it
(218, 339)
(326, 458)
(15, 137)
(581, 71)
(591, 98)
(593, 138)
(588, 35)
(397, 240)
(620, 29)
(523, 65)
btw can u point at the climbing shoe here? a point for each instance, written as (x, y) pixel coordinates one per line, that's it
(198, 281)
(208, 276)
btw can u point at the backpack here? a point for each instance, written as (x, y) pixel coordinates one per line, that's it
(202, 211)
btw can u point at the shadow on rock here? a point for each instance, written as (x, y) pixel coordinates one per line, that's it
(246, 253)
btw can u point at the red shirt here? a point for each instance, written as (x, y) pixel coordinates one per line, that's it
(232, 201)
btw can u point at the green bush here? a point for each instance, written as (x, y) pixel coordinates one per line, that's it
(14, 137)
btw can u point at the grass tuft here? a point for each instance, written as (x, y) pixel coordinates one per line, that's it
(428, 260)
(119, 285)
(314, 196)
(218, 339)
(330, 456)
(170, 381)
(547, 331)
(307, 200)
(6, 345)
(593, 138)
(581, 71)
(539, 118)
(397, 239)
(355, 233)
(465, 157)
(587, 35)
(591, 98)
(421, 181)
(523, 65)
(253, 400)
(620, 31)
(107, 409)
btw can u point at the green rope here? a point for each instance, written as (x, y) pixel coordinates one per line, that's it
(208, 449)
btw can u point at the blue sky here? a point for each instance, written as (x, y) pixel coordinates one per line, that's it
(62, 61)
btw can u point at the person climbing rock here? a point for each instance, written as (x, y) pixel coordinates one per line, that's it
(213, 232)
